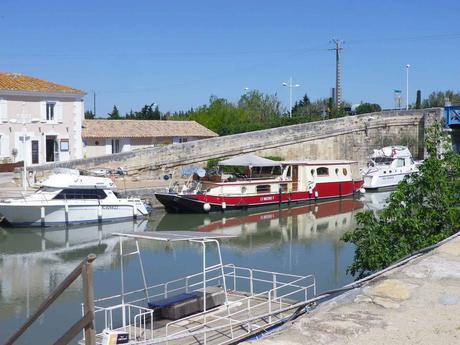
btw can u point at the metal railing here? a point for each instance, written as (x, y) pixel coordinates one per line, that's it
(260, 293)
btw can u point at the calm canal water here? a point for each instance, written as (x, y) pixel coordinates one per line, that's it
(300, 240)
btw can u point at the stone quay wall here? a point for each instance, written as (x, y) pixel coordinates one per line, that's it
(351, 137)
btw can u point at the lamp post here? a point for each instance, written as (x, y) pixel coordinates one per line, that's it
(290, 86)
(407, 86)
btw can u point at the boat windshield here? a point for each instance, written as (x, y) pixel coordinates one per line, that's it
(383, 160)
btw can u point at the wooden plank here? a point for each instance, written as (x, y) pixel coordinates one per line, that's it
(88, 302)
(50, 299)
(75, 329)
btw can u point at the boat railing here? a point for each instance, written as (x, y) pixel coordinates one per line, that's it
(249, 308)
(117, 317)
(256, 293)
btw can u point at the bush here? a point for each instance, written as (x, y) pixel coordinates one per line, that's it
(423, 210)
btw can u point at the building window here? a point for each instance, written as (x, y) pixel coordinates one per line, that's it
(183, 140)
(50, 111)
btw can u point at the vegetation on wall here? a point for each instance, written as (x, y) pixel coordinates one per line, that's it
(364, 108)
(423, 210)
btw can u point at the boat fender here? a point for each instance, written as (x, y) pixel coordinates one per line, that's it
(362, 191)
(224, 205)
(207, 207)
(316, 193)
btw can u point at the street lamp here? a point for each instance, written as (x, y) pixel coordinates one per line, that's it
(24, 140)
(290, 86)
(407, 86)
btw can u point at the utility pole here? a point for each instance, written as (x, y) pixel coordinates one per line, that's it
(94, 103)
(338, 88)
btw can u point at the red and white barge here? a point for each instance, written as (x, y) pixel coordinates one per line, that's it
(264, 182)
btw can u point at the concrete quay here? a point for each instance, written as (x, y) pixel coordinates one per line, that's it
(417, 303)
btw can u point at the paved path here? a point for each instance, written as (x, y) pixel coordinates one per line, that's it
(418, 303)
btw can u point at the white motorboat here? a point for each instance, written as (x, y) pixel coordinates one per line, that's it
(70, 198)
(387, 167)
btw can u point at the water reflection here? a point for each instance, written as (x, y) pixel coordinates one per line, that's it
(300, 239)
(34, 261)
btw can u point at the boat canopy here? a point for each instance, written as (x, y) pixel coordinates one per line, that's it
(249, 160)
(392, 152)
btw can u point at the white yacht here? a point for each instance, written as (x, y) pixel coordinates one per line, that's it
(70, 198)
(387, 167)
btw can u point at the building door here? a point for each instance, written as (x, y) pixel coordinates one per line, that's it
(50, 148)
(35, 152)
(115, 146)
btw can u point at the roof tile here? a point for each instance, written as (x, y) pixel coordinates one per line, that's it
(19, 82)
(144, 129)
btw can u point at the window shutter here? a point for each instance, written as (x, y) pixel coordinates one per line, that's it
(3, 111)
(43, 111)
(58, 112)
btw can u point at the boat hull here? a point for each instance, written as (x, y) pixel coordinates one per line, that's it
(383, 182)
(202, 203)
(48, 214)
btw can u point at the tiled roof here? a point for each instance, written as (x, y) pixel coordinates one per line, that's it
(143, 129)
(19, 82)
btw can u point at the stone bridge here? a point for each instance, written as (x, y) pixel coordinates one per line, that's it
(351, 137)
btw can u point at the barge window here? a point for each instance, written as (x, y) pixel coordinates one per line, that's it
(263, 188)
(337, 171)
(81, 194)
(322, 171)
(400, 162)
(345, 172)
(312, 172)
(283, 187)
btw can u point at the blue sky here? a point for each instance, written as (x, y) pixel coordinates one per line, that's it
(178, 53)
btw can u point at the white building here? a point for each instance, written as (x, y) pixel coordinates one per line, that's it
(104, 137)
(47, 115)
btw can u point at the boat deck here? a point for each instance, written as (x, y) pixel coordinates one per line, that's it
(213, 327)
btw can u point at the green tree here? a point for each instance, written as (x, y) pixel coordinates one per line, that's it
(423, 210)
(302, 107)
(418, 102)
(438, 99)
(114, 114)
(364, 108)
(89, 114)
(259, 107)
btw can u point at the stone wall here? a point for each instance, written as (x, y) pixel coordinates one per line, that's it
(351, 137)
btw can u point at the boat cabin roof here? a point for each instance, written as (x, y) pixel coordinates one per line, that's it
(173, 236)
(318, 162)
(72, 181)
(249, 160)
